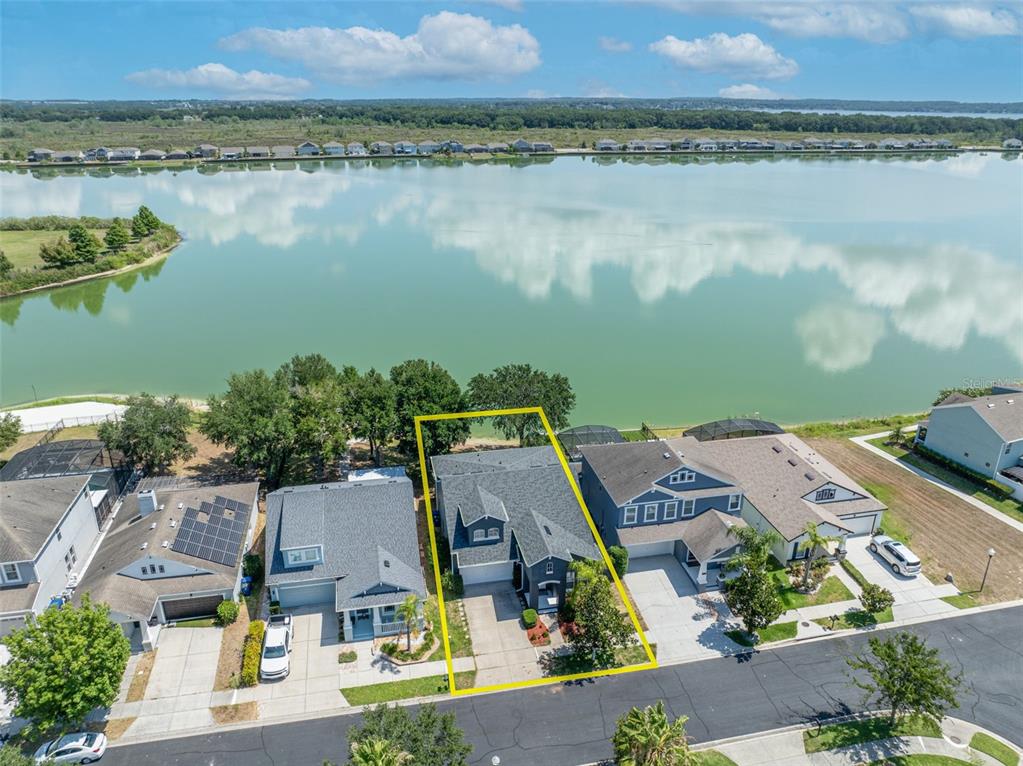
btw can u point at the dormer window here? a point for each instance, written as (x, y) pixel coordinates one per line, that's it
(631, 512)
(650, 512)
(301, 556)
(11, 573)
(685, 476)
(824, 494)
(479, 535)
(493, 533)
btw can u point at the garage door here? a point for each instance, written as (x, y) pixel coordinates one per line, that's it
(639, 550)
(305, 595)
(500, 572)
(187, 608)
(860, 525)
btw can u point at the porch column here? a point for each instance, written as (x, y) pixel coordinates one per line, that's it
(347, 618)
(377, 620)
(702, 576)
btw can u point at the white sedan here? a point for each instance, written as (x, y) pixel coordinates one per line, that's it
(80, 747)
(900, 558)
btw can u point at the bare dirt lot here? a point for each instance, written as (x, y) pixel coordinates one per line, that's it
(948, 534)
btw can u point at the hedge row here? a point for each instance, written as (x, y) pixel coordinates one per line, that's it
(252, 654)
(855, 573)
(998, 489)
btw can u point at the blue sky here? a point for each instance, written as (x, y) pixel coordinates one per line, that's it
(915, 49)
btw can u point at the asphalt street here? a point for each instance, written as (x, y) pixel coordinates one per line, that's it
(569, 724)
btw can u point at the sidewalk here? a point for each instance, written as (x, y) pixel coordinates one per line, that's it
(978, 504)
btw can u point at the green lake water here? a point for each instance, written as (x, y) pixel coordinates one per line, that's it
(670, 292)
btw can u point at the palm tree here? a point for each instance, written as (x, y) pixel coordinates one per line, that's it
(754, 548)
(408, 613)
(896, 437)
(377, 752)
(645, 737)
(815, 543)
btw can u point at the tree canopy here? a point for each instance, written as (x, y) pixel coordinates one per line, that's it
(428, 736)
(752, 594)
(10, 430)
(602, 628)
(84, 242)
(117, 236)
(373, 409)
(519, 385)
(645, 737)
(426, 388)
(152, 433)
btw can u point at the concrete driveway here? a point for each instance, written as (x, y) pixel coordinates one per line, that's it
(685, 624)
(503, 652)
(914, 596)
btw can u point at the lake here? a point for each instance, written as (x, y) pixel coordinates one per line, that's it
(671, 291)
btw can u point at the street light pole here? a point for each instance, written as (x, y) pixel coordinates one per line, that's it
(990, 555)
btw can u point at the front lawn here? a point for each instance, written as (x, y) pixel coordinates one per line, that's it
(961, 600)
(555, 664)
(713, 758)
(866, 730)
(399, 690)
(996, 749)
(830, 591)
(458, 630)
(857, 618)
(780, 631)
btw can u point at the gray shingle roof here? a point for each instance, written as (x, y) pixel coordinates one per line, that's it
(368, 533)
(1005, 419)
(628, 470)
(29, 511)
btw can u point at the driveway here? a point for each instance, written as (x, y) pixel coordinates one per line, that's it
(502, 651)
(685, 624)
(914, 596)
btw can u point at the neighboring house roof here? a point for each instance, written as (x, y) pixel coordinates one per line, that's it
(29, 511)
(1003, 412)
(368, 533)
(956, 397)
(18, 598)
(706, 534)
(258, 150)
(333, 145)
(525, 487)
(135, 597)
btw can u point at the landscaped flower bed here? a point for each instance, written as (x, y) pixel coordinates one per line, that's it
(539, 635)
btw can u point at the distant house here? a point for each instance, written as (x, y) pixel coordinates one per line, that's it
(356, 149)
(381, 147)
(543, 146)
(177, 154)
(522, 145)
(349, 547)
(152, 154)
(813, 143)
(283, 150)
(777, 146)
(796, 146)
(1013, 144)
(455, 147)
(984, 434)
(890, 144)
(511, 516)
(706, 146)
(124, 154)
(40, 155)
(231, 153)
(333, 148)
(497, 147)
(429, 147)
(206, 151)
(307, 149)
(68, 156)
(728, 144)
(258, 152)
(405, 147)
(475, 149)
(607, 145)
(685, 145)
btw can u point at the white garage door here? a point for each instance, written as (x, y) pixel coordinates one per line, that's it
(860, 525)
(304, 595)
(639, 550)
(500, 572)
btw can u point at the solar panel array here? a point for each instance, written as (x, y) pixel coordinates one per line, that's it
(214, 532)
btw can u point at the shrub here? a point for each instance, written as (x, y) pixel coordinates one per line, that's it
(875, 598)
(452, 584)
(855, 573)
(619, 559)
(227, 612)
(996, 488)
(252, 653)
(346, 657)
(529, 617)
(252, 566)
(275, 607)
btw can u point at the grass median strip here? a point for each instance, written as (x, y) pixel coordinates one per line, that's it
(996, 749)
(961, 601)
(866, 730)
(713, 758)
(399, 690)
(857, 618)
(920, 759)
(777, 632)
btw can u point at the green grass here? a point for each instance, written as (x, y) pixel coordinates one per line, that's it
(458, 631)
(961, 600)
(22, 247)
(830, 591)
(780, 631)
(1010, 507)
(570, 664)
(399, 690)
(713, 758)
(857, 618)
(206, 622)
(843, 429)
(854, 573)
(866, 730)
(634, 436)
(996, 749)
(921, 759)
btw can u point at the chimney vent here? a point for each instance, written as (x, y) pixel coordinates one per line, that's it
(147, 502)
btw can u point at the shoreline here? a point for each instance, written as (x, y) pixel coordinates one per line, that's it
(156, 257)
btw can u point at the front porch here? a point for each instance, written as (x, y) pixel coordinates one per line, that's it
(371, 622)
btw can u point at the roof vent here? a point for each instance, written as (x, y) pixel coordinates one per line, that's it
(143, 546)
(387, 562)
(546, 529)
(153, 525)
(667, 455)
(809, 476)
(792, 462)
(1009, 401)
(180, 506)
(165, 543)
(776, 448)
(991, 405)
(173, 523)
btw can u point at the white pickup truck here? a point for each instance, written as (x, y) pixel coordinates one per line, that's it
(277, 642)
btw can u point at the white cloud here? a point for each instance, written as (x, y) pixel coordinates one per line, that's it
(445, 46)
(872, 22)
(223, 81)
(839, 338)
(22, 196)
(743, 54)
(965, 20)
(508, 5)
(747, 90)
(613, 45)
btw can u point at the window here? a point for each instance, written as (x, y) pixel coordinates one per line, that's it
(569, 576)
(493, 533)
(685, 476)
(630, 514)
(311, 554)
(650, 512)
(70, 558)
(479, 535)
(823, 494)
(734, 502)
(550, 567)
(161, 568)
(688, 507)
(11, 573)
(671, 510)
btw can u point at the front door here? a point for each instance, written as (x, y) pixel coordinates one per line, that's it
(362, 624)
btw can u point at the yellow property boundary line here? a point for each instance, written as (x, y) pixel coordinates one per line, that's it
(651, 660)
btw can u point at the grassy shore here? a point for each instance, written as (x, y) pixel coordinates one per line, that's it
(22, 247)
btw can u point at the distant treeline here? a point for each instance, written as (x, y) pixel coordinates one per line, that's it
(53, 223)
(521, 115)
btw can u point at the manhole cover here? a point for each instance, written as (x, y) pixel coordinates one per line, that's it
(956, 740)
(805, 624)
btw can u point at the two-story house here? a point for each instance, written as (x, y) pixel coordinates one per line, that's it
(682, 496)
(48, 527)
(510, 515)
(348, 547)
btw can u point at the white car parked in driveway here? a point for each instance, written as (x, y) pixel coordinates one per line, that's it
(81, 747)
(276, 661)
(901, 559)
